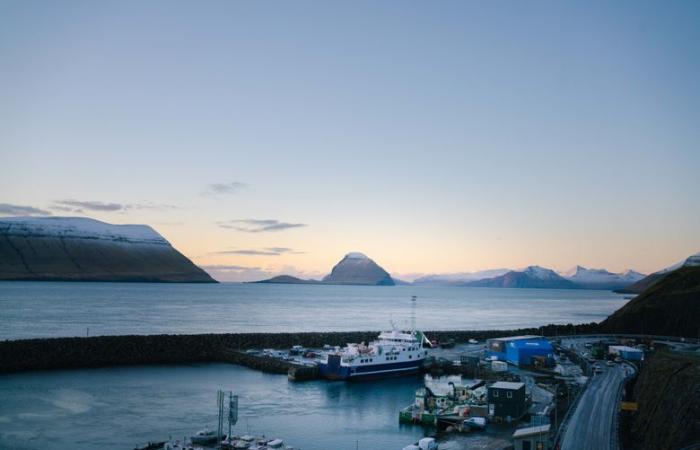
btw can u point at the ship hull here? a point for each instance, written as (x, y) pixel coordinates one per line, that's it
(367, 372)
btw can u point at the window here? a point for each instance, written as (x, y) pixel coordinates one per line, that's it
(509, 394)
(495, 393)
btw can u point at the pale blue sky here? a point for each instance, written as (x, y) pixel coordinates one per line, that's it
(434, 137)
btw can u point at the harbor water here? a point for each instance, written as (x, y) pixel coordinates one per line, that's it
(118, 408)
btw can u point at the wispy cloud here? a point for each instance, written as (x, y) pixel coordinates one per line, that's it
(232, 272)
(267, 251)
(79, 206)
(232, 187)
(7, 209)
(259, 225)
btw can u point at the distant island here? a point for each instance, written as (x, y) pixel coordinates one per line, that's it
(358, 269)
(354, 269)
(535, 277)
(83, 249)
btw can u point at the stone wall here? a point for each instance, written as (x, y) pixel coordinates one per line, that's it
(101, 351)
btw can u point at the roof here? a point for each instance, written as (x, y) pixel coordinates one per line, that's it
(625, 348)
(523, 432)
(507, 385)
(517, 338)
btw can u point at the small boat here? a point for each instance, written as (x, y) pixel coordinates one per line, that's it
(475, 423)
(275, 443)
(180, 445)
(450, 343)
(473, 341)
(297, 350)
(244, 442)
(204, 436)
(427, 443)
(152, 446)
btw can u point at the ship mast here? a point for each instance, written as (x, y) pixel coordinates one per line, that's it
(413, 314)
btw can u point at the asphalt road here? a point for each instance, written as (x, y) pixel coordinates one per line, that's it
(591, 425)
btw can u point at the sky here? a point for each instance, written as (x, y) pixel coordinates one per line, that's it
(274, 137)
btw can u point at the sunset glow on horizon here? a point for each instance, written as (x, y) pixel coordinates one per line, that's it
(433, 139)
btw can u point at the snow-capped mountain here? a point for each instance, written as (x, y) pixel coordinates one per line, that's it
(79, 227)
(456, 279)
(648, 281)
(601, 278)
(530, 277)
(83, 249)
(691, 261)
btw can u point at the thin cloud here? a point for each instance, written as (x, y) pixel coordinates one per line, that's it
(232, 187)
(80, 206)
(267, 251)
(7, 209)
(230, 272)
(259, 225)
(66, 205)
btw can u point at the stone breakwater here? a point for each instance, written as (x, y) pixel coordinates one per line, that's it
(103, 351)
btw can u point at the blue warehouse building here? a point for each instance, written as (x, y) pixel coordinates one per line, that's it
(522, 350)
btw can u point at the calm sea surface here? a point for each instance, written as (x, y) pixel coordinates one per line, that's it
(117, 408)
(40, 309)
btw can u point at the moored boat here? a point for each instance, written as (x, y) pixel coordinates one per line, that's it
(204, 436)
(393, 353)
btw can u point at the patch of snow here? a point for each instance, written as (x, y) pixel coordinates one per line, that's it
(79, 227)
(356, 255)
(583, 275)
(462, 276)
(541, 273)
(691, 261)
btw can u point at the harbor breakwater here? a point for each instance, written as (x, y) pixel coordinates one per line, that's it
(104, 351)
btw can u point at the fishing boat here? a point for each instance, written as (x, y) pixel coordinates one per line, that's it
(180, 445)
(152, 446)
(204, 436)
(394, 353)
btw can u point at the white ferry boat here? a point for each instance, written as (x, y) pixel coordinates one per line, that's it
(393, 353)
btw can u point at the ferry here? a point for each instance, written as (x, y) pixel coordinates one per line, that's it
(393, 353)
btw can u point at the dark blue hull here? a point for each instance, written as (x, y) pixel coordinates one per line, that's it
(339, 372)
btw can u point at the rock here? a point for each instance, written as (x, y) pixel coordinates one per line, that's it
(356, 268)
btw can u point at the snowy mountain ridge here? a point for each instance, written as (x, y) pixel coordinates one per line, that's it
(79, 227)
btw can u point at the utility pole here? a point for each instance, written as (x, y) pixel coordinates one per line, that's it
(232, 411)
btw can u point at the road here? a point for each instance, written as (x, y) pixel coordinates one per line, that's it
(591, 425)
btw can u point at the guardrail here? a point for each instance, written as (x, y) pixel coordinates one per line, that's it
(615, 435)
(567, 417)
(651, 337)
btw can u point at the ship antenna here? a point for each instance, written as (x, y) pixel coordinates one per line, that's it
(413, 314)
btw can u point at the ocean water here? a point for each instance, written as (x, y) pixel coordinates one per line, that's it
(47, 309)
(118, 408)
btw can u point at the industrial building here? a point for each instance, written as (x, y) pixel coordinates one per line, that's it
(532, 438)
(625, 352)
(507, 400)
(522, 350)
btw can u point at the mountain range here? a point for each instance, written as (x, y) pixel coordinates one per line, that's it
(531, 277)
(640, 285)
(82, 249)
(535, 277)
